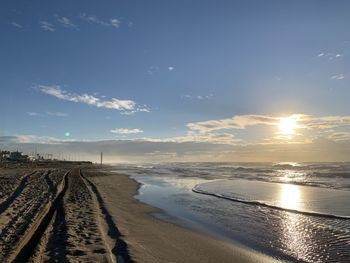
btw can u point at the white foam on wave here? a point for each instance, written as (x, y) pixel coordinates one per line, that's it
(293, 198)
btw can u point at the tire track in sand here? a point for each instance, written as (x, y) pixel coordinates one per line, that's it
(26, 247)
(112, 237)
(9, 200)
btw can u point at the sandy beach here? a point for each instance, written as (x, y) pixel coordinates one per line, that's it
(83, 214)
(152, 240)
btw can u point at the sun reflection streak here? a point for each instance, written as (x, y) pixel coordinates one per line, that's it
(294, 239)
(290, 197)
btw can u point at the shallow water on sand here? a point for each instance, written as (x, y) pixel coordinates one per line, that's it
(264, 220)
(297, 198)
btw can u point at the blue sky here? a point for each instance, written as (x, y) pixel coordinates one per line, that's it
(144, 71)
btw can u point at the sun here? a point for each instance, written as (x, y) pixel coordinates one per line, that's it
(287, 125)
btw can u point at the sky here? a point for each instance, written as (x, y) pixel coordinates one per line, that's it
(181, 80)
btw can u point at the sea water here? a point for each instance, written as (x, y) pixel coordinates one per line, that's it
(294, 212)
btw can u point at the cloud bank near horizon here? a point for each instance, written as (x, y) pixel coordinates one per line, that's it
(144, 150)
(317, 138)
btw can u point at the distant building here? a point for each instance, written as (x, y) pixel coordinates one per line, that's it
(18, 157)
(4, 155)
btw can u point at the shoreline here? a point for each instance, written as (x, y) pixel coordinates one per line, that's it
(151, 239)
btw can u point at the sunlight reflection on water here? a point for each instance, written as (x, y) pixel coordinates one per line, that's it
(287, 235)
(290, 197)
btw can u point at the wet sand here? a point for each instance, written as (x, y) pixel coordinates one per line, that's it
(152, 240)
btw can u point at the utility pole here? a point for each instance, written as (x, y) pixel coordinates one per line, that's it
(101, 158)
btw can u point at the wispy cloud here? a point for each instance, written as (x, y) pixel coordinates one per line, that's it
(236, 122)
(196, 146)
(143, 108)
(47, 26)
(330, 56)
(57, 114)
(195, 137)
(124, 131)
(198, 97)
(113, 22)
(324, 122)
(155, 69)
(28, 139)
(48, 113)
(338, 77)
(66, 22)
(33, 114)
(152, 150)
(152, 70)
(16, 25)
(115, 104)
(243, 121)
(340, 136)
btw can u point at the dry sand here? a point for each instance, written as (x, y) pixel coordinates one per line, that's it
(69, 214)
(52, 215)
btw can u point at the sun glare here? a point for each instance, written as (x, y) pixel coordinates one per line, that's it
(290, 196)
(287, 126)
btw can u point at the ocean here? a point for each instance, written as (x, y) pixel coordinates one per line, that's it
(296, 212)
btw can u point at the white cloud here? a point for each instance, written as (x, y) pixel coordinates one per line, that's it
(338, 77)
(306, 130)
(27, 139)
(324, 122)
(57, 114)
(30, 113)
(113, 22)
(126, 131)
(198, 97)
(66, 22)
(243, 121)
(330, 56)
(340, 136)
(48, 113)
(47, 26)
(93, 19)
(131, 112)
(152, 69)
(236, 122)
(16, 25)
(194, 137)
(115, 104)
